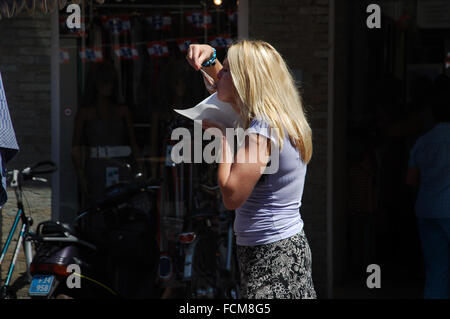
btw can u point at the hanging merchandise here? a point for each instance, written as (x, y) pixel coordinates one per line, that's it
(158, 49)
(199, 19)
(183, 44)
(220, 41)
(91, 55)
(159, 21)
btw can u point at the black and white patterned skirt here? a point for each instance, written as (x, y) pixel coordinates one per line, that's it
(279, 270)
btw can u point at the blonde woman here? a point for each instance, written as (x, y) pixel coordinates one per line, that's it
(273, 251)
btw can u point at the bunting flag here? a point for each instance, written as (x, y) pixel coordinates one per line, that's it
(220, 41)
(117, 24)
(155, 49)
(158, 49)
(91, 55)
(160, 21)
(199, 19)
(126, 52)
(63, 56)
(183, 44)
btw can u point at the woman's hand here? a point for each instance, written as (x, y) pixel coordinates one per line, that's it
(199, 53)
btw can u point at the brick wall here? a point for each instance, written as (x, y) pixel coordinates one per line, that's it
(298, 29)
(25, 66)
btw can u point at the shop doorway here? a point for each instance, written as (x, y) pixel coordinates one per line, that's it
(381, 108)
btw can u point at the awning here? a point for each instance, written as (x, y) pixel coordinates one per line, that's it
(11, 8)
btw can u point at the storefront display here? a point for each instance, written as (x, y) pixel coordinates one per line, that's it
(122, 73)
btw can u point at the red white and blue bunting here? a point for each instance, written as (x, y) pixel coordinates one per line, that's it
(199, 19)
(117, 24)
(220, 41)
(90, 55)
(183, 44)
(159, 21)
(126, 52)
(158, 49)
(155, 49)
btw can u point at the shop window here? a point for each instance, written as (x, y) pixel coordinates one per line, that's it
(127, 71)
(121, 76)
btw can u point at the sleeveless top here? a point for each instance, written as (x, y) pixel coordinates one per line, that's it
(271, 212)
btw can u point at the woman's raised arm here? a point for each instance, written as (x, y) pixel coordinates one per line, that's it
(198, 54)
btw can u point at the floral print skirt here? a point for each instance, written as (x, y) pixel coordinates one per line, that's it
(278, 270)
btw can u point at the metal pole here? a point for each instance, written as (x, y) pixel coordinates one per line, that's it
(16, 253)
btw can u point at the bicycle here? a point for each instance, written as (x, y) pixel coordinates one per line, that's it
(26, 235)
(210, 264)
(202, 256)
(116, 259)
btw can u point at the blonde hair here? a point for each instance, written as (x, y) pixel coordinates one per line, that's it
(266, 88)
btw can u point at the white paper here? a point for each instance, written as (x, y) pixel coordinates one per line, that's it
(213, 109)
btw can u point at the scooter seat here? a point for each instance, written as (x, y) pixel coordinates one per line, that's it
(54, 229)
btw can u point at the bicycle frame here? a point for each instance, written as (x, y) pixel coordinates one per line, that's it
(189, 249)
(189, 241)
(11, 233)
(26, 223)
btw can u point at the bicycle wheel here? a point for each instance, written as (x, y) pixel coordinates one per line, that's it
(7, 292)
(229, 274)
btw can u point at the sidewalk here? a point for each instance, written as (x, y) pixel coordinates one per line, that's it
(37, 201)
